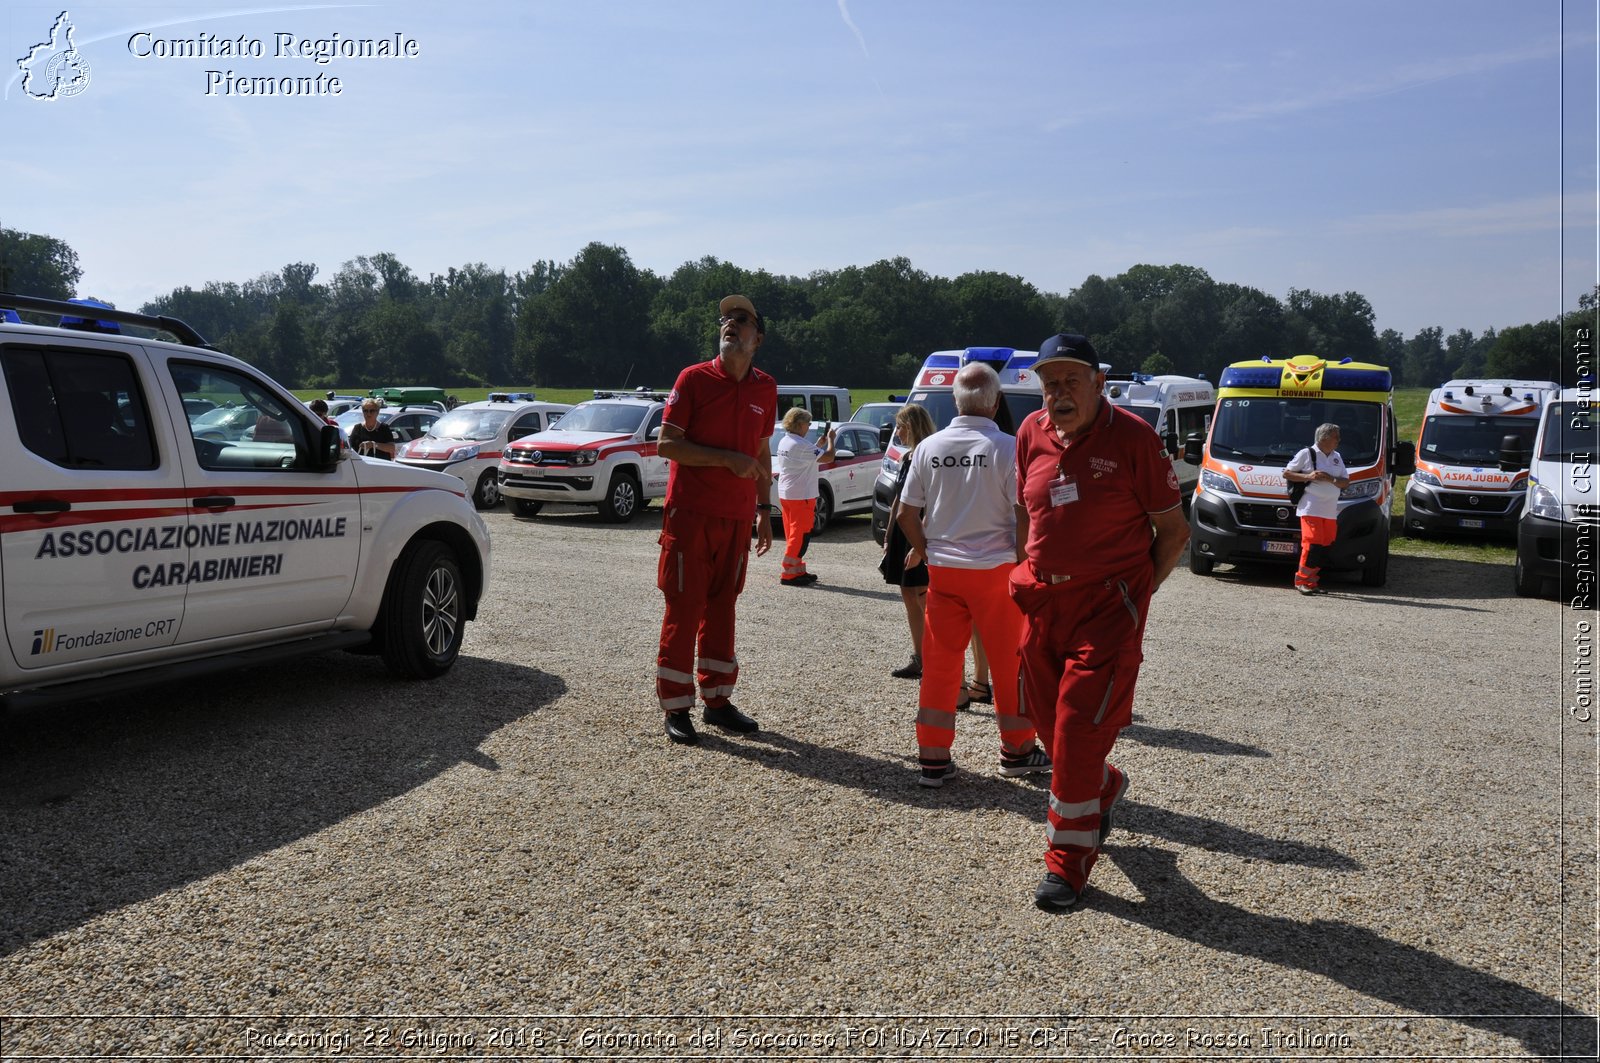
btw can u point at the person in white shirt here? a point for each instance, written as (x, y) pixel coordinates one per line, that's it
(1322, 470)
(798, 459)
(965, 477)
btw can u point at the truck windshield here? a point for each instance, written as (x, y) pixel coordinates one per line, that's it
(1149, 413)
(1458, 439)
(614, 417)
(1571, 432)
(470, 424)
(1270, 431)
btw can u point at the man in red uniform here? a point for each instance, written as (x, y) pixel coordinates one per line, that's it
(718, 420)
(1099, 510)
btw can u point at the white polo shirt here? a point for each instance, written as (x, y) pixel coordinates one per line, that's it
(1321, 498)
(797, 467)
(965, 481)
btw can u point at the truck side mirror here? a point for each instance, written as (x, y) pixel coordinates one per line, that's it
(883, 436)
(330, 443)
(1193, 448)
(1171, 440)
(1513, 454)
(1405, 458)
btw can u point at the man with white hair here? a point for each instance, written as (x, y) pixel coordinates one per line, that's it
(964, 477)
(1101, 520)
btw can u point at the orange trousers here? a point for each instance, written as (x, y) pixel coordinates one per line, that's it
(1315, 533)
(799, 515)
(960, 599)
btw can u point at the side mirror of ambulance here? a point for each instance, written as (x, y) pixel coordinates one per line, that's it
(1193, 448)
(1405, 458)
(1171, 440)
(1513, 454)
(884, 435)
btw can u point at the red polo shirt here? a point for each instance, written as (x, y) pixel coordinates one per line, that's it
(1118, 473)
(715, 410)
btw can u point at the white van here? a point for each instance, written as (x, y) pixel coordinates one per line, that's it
(1459, 485)
(934, 390)
(1177, 407)
(1556, 535)
(823, 403)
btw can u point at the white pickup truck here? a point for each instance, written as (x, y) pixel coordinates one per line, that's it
(133, 550)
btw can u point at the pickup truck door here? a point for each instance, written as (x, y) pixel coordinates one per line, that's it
(93, 499)
(655, 466)
(276, 541)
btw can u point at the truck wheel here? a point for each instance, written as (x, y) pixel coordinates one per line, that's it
(526, 507)
(1528, 585)
(622, 498)
(824, 515)
(422, 612)
(1375, 573)
(1199, 563)
(487, 494)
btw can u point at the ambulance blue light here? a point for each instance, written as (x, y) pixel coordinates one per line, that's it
(988, 354)
(942, 361)
(1251, 377)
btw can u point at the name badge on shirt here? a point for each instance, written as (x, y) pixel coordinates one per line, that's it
(1063, 490)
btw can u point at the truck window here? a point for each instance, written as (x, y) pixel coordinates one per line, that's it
(80, 409)
(250, 429)
(824, 408)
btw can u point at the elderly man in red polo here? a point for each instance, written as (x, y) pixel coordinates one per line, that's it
(1099, 511)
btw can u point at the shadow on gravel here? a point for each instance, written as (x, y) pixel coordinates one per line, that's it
(977, 787)
(1417, 982)
(1190, 741)
(107, 803)
(1429, 583)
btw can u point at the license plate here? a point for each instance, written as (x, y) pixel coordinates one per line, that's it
(1467, 522)
(1272, 546)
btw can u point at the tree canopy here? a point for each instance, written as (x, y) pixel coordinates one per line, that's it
(601, 320)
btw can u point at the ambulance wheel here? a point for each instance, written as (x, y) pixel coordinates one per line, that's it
(526, 507)
(1375, 573)
(487, 494)
(824, 515)
(421, 625)
(622, 498)
(1199, 563)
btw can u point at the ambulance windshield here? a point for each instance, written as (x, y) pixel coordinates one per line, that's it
(1457, 439)
(1270, 431)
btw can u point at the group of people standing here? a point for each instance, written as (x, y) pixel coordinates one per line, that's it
(1048, 545)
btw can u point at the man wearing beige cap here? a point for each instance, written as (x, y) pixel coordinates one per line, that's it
(718, 420)
(1099, 513)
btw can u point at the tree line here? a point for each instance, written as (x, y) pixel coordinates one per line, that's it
(600, 320)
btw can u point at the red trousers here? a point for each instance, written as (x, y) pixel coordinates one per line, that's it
(1315, 533)
(960, 599)
(799, 515)
(1082, 644)
(701, 572)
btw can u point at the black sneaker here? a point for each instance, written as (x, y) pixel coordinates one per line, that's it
(731, 719)
(935, 773)
(680, 728)
(1014, 765)
(912, 669)
(1055, 894)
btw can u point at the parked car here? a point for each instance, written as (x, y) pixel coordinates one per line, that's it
(879, 415)
(845, 483)
(468, 441)
(193, 408)
(225, 424)
(603, 454)
(408, 422)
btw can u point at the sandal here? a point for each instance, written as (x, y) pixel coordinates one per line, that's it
(982, 693)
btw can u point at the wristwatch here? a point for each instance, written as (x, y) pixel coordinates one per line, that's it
(763, 505)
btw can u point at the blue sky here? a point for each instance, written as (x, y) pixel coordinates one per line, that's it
(1409, 150)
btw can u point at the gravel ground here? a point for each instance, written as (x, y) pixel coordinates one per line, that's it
(1360, 847)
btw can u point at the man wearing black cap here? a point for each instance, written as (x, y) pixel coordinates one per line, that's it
(1099, 510)
(718, 420)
